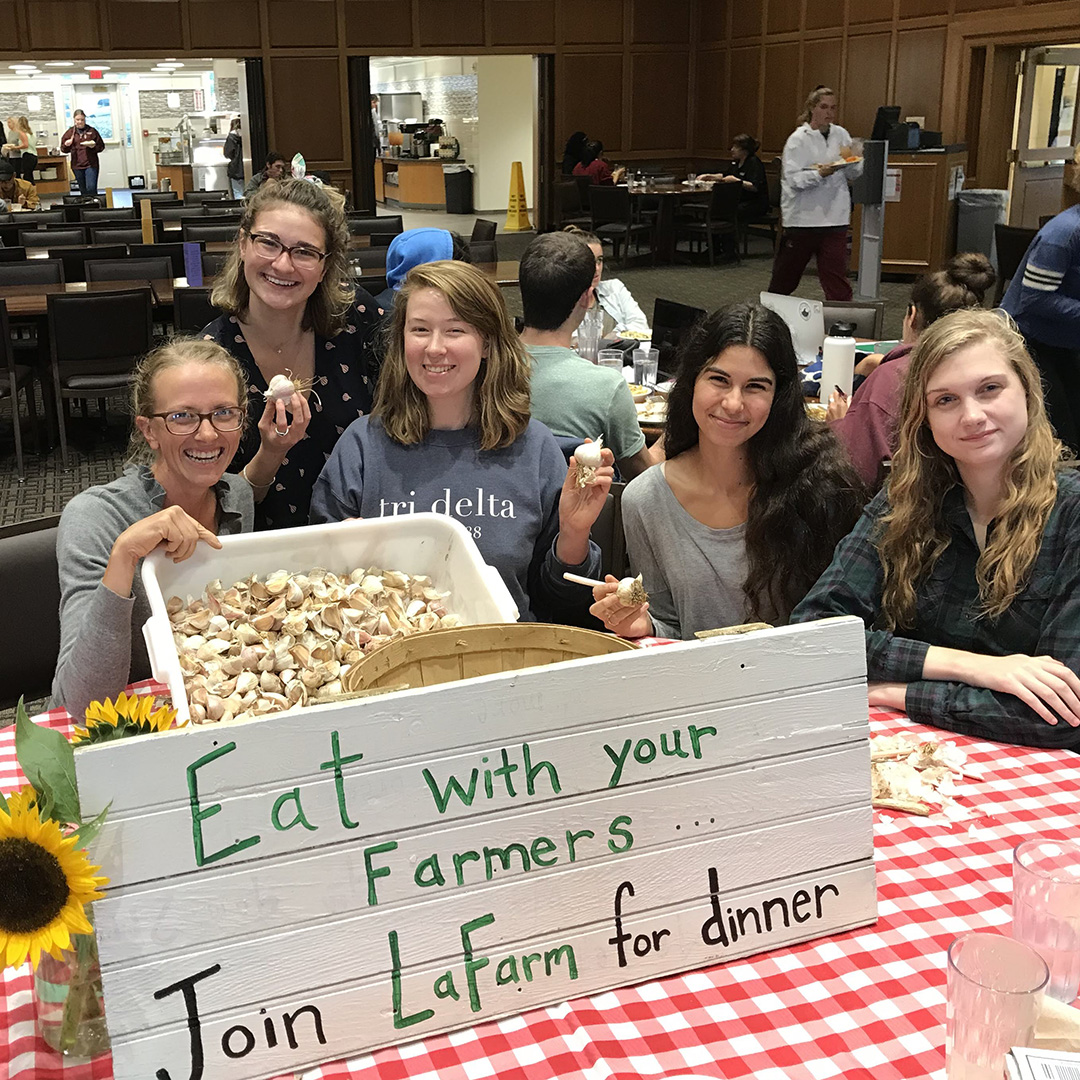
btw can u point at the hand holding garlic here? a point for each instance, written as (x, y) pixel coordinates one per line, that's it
(588, 457)
(580, 504)
(627, 614)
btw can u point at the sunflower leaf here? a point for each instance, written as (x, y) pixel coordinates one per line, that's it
(3, 802)
(48, 761)
(88, 830)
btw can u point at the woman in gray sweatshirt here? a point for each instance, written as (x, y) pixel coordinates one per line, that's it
(451, 433)
(189, 400)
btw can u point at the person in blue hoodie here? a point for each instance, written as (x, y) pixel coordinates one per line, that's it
(414, 247)
(450, 433)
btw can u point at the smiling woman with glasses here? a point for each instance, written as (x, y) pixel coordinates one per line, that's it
(189, 400)
(291, 310)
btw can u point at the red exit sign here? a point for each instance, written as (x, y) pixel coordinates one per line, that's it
(96, 73)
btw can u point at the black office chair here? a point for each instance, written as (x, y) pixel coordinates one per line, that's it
(213, 262)
(193, 197)
(612, 219)
(13, 378)
(52, 238)
(225, 217)
(370, 258)
(30, 584)
(192, 310)
(112, 213)
(1011, 243)
(129, 269)
(483, 251)
(149, 251)
(483, 230)
(389, 224)
(76, 258)
(33, 218)
(32, 272)
(131, 235)
(12, 254)
(138, 197)
(568, 208)
(168, 212)
(209, 232)
(94, 342)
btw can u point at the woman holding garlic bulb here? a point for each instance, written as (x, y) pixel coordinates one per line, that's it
(738, 522)
(293, 318)
(189, 400)
(451, 433)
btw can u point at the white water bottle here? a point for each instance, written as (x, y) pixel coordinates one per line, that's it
(837, 366)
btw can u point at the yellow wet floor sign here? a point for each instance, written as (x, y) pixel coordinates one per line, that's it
(517, 212)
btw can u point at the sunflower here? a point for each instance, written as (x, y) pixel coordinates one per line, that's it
(46, 882)
(130, 715)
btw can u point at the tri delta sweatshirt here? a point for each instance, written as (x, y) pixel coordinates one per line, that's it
(508, 500)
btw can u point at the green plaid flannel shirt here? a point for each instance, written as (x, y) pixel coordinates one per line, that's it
(1044, 620)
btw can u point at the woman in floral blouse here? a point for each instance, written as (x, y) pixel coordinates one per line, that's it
(290, 310)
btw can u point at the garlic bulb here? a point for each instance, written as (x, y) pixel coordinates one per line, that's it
(631, 592)
(588, 454)
(588, 459)
(280, 388)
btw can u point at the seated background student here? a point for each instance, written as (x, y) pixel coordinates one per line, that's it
(575, 398)
(593, 165)
(15, 191)
(450, 433)
(966, 569)
(276, 168)
(611, 294)
(750, 172)
(414, 247)
(740, 519)
(867, 423)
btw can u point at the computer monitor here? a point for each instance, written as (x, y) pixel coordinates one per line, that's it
(887, 115)
(670, 322)
(805, 320)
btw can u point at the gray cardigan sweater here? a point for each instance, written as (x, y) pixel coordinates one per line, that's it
(101, 644)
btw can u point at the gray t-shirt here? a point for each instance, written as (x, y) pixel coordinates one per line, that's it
(101, 643)
(694, 575)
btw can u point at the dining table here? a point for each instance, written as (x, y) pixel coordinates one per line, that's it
(868, 1004)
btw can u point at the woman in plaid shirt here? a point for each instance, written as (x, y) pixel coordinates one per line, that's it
(966, 570)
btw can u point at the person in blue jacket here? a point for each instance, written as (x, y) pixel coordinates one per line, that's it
(1044, 301)
(450, 433)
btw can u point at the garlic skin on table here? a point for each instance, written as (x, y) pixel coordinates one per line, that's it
(631, 592)
(588, 459)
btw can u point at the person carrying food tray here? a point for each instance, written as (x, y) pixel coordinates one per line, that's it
(815, 205)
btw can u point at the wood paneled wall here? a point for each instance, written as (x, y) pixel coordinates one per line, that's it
(764, 58)
(651, 78)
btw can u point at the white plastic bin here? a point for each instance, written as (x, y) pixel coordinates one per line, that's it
(414, 544)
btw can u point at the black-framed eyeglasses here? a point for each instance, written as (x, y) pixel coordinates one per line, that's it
(270, 247)
(187, 422)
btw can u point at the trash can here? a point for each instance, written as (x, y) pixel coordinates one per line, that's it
(979, 211)
(459, 196)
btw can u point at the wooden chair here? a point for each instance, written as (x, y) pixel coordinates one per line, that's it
(30, 582)
(721, 219)
(13, 378)
(1011, 243)
(612, 219)
(94, 341)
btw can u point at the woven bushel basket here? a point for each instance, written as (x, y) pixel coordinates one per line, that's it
(464, 652)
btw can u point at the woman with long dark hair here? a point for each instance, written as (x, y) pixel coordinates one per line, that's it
(966, 568)
(575, 147)
(754, 495)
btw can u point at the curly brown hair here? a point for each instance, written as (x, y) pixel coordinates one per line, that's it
(913, 533)
(328, 306)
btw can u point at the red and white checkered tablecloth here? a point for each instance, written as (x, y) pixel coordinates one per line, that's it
(866, 1004)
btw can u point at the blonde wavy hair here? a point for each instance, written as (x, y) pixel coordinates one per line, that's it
(501, 389)
(913, 533)
(328, 306)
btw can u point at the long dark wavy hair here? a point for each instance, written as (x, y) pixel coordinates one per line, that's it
(806, 494)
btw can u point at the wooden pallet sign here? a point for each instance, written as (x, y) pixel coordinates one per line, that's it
(318, 884)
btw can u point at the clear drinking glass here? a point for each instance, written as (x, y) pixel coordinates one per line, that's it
(995, 992)
(691, 179)
(1046, 909)
(612, 358)
(646, 362)
(589, 333)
